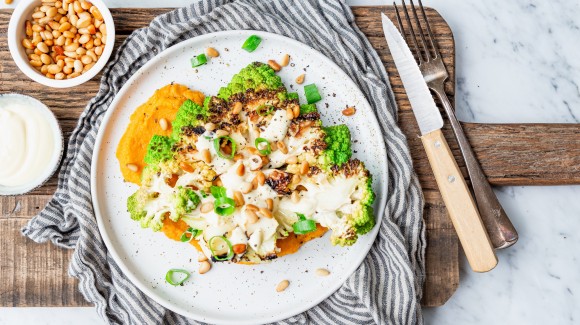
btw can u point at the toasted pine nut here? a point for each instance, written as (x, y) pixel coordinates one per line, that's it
(252, 216)
(266, 213)
(42, 47)
(282, 146)
(241, 170)
(296, 110)
(285, 60)
(206, 207)
(209, 126)
(59, 76)
(132, 167)
(54, 69)
(300, 79)
(86, 60)
(295, 197)
(304, 168)
(289, 113)
(206, 156)
(270, 204)
(274, 65)
(261, 178)
(282, 285)
(201, 257)
(211, 52)
(164, 124)
(349, 111)
(239, 199)
(186, 167)
(296, 179)
(251, 207)
(221, 133)
(322, 272)
(45, 58)
(247, 188)
(96, 13)
(27, 44)
(204, 267)
(238, 156)
(292, 160)
(239, 248)
(237, 108)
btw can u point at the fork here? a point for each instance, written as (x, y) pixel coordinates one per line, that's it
(499, 227)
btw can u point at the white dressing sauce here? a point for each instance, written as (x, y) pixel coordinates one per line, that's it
(27, 143)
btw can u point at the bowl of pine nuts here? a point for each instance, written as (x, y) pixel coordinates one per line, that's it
(61, 43)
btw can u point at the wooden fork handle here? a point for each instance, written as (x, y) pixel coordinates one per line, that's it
(459, 202)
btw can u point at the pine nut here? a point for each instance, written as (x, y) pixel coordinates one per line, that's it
(261, 178)
(239, 248)
(241, 170)
(88, 67)
(206, 207)
(295, 197)
(251, 207)
(38, 15)
(239, 199)
(85, 59)
(27, 44)
(84, 39)
(78, 65)
(211, 52)
(85, 5)
(54, 69)
(300, 79)
(51, 12)
(204, 267)
(45, 58)
(186, 167)
(209, 126)
(59, 76)
(237, 108)
(37, 28)
(252, 216)
(289, 113)
(221, 133)
(49, 76)
(274, 65)
(132, 167)
(206, 156)
(282, 285)
(322, 272)
(349, 111)
(270, 204)
(164, 124)
(266, 213)
(42, 47)
(77, 7)
(292, 160)
(247, 188)
(73, 75)
(84, 20)
(64, 27)
(282, 146)
(304, 168)
(35, 63)
(99, 50)
(296, 110)
(285, 60)
(296, 179)
(201, 257)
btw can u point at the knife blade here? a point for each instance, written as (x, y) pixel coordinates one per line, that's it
(456, 195)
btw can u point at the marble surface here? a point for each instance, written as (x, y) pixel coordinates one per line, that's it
(517, 62)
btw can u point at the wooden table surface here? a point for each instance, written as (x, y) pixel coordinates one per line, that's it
(511, 154)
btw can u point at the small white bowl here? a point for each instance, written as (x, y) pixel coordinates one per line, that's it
(54, 161)
(16, 33)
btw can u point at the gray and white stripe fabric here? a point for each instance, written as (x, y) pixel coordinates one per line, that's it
(387, 287)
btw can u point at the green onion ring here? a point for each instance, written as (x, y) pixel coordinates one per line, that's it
(218, 149)
(218, 206)
(213, 254)
(261, 112)
(251, 44)
(303, 225)
(266, 151)
(169, 276)
(192, 234)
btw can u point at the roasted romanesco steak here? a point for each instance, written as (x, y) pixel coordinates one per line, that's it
(250, 166)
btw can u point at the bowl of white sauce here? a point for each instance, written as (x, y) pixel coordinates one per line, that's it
(31, 144)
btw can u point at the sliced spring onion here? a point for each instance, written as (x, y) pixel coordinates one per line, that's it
(189, 234)
(196, 61)
(217, 246)
(312, 94)
(264, 110)
(265, 151)
(217, 146)
(303, 225)
(252, 43)
(217, 191)
(224, 206)
(170, 278)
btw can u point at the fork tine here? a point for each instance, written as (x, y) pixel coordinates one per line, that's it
(425, 47)
(403, 32)
(431, 38)
(413, 37)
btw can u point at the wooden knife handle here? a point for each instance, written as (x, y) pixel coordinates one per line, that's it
(459, 202)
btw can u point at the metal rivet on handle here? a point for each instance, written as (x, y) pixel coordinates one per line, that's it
(437, 144)
(451, 178)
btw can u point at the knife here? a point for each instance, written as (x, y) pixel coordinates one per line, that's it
(456, 195)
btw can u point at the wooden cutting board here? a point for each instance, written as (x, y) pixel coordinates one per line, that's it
(532, 154)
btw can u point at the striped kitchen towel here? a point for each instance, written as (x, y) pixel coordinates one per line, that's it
(386, 288)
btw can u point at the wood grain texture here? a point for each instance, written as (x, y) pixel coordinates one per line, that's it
(535, 154)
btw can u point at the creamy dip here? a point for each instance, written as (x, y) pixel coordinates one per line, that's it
(28, 142)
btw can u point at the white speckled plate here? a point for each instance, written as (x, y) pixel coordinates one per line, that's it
(231, 293)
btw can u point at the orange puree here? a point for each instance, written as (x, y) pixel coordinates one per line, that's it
(144, 123)
(288, 245)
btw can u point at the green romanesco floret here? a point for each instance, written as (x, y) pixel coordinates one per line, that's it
(184, 200)
(358, 217)
(160, 149)
(257, 76)
(307, 108)
(141, 210)
(338, 149)
(189, 114)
